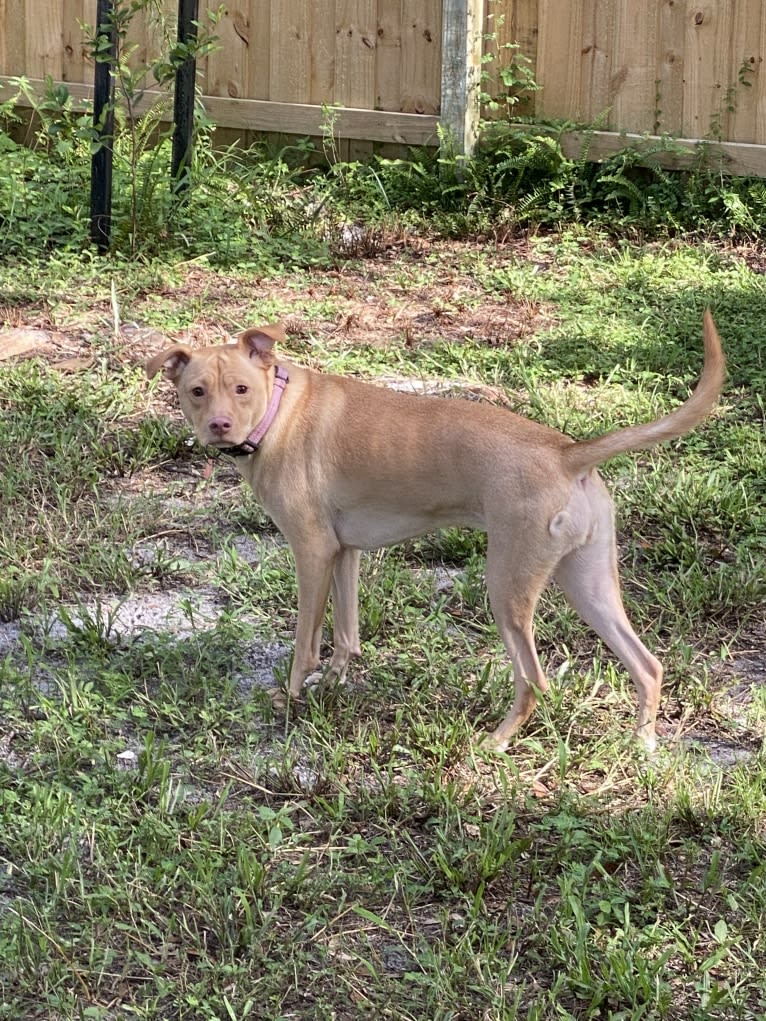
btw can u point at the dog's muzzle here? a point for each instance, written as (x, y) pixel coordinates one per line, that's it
(253, 441)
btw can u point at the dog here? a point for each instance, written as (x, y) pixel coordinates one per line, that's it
(343, 466)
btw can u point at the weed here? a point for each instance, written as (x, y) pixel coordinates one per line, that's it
(507, 77)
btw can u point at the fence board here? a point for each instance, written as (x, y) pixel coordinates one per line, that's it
(388, 77)
(669, 105)
(521, 21)
(355, 35)
(635, 72)
(307, 119)
(43, 40)
(228, 66)
(598, 49)
(282, 118)
(747, 32)
(759, 84)
(707, 68)
(259, 49)
(13, 36)
(497, 32)
(421, 51)
(322, 57)
(501, 31)
(291, 29)
(523, 30)
(74, 63)
(144, 33)
(559, 59)
(725, 157)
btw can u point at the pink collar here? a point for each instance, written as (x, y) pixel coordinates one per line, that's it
(253, 441)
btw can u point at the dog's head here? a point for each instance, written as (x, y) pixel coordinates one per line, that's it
(223, 390)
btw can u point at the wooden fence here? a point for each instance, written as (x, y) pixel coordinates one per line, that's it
(649, 67)
(398, 67)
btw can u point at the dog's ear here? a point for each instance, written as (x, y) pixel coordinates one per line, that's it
(258, 342)
(173, 360)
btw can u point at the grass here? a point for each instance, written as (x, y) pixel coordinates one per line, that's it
(171, 849)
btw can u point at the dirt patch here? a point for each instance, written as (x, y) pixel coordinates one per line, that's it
(449, 310)
(179, 614)
(722, 754)
(412, 294)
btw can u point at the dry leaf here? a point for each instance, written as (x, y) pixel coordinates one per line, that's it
(73, 364)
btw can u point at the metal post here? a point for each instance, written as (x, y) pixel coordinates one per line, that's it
(183, 107)
(103, 122)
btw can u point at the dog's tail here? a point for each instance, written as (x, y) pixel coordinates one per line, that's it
(581, 457)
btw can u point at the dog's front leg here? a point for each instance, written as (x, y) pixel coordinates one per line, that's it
(314, 564)
(345, 611)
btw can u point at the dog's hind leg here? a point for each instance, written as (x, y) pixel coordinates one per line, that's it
(345, 611)
(588, 577)
(513, 594)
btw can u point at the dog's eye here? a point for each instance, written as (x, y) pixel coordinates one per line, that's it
(242, 389)
(198, 391)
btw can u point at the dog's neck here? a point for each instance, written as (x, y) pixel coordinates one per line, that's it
(253, 441)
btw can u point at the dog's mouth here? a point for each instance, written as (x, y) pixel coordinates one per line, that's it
(218, 441)
(243, 449)
(214, 439)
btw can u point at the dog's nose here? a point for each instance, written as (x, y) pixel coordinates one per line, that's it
(219, 425)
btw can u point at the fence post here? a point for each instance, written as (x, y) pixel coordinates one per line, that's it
(103, 124)
(462, 35)
(183, 102)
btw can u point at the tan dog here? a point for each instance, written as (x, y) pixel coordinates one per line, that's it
(343, 466)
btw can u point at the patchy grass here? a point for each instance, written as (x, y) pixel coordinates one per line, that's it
(170, 849)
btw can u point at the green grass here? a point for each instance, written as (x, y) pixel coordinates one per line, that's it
(359, 859)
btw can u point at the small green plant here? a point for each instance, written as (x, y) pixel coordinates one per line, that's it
(507, 76)
(44, 183)
(730, 99)
(330, 115)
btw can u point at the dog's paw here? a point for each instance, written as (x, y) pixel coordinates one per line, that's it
(281, 699)
(489, 743)
(324, 680)
(314, 681)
